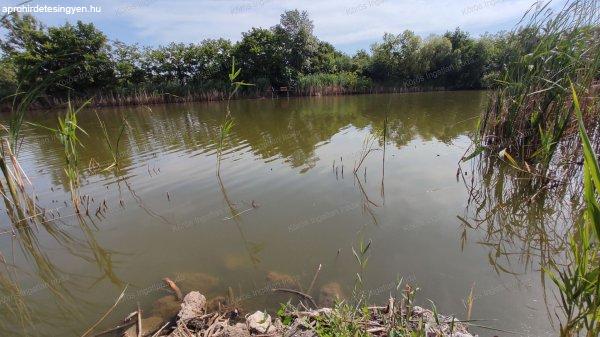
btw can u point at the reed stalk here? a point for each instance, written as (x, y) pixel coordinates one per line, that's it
(579, 282)
(530, 115)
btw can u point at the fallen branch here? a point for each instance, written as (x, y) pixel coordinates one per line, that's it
(299, 293)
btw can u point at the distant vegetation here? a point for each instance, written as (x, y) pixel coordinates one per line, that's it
(83, 62)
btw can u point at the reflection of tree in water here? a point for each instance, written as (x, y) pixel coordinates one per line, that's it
(288, 129)
(524, 227)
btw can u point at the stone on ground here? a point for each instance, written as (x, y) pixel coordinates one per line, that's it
(260, 322)
(194, 305)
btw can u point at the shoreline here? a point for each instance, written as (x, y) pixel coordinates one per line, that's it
(129, 101)
(194, 315)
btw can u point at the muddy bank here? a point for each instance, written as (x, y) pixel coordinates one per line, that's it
(193, 315)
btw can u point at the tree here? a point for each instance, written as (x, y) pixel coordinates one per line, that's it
(395, 58)
(295, 31)
(409, 48)
(8, 78)
(74, 56)
(213, 60)
(127, 63)
(386, 54)
(360, 62)
(260, 54)
(435, 56)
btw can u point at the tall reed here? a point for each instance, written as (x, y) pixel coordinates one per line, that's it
(579, 282)
(530, 115)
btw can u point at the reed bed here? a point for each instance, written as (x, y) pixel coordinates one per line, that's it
(309, 85)
(333, 84)
(530, 116)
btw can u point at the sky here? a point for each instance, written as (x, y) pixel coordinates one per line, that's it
(349, 25)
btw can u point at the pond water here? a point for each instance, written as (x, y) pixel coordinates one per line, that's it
(287, 201)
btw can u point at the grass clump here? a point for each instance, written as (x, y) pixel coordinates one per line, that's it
(356, 318)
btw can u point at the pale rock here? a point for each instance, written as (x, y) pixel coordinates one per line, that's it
(260, 322)
(194, 305)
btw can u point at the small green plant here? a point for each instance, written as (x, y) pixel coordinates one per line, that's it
(66, 133)
(228, 122)
(362, 258)
(285, 318)
(114, 150)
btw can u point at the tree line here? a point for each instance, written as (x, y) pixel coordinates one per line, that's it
(78, 60)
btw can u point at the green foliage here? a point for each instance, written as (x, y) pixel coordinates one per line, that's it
(8, 78)
(344, 321)
(362, 257)
(286, 55)
(67, 135)
(530, 114)
(79, 53)
(579, 282)
(228, 122)
(283, 315)
(346, 80)
(261, 54)
(114, 149)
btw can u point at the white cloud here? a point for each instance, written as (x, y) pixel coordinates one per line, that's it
(346, 24)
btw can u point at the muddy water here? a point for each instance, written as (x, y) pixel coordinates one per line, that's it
(287, 200)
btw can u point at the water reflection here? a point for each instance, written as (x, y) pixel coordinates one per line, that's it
(290, 129)
(164, 210)
(525, 227)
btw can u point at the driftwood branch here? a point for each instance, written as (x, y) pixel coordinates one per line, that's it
(299, 293)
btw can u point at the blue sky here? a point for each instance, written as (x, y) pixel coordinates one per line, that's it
(348, 24)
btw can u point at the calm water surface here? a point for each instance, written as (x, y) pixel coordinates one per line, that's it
(165, 214)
